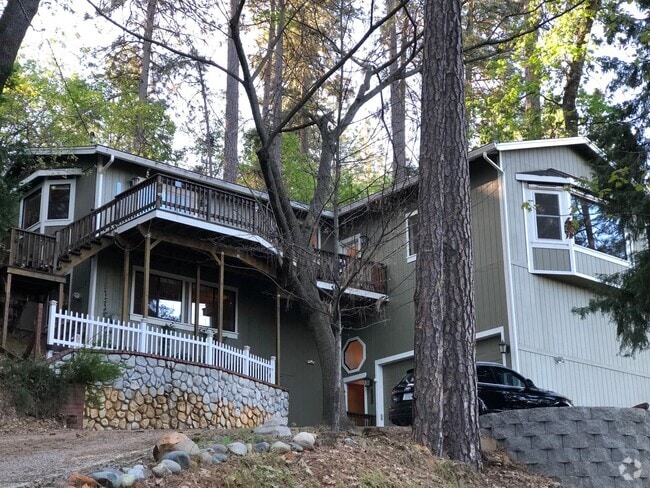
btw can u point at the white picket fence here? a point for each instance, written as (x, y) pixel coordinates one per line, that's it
(77, 330)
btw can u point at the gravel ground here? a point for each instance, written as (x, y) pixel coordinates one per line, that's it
(48, 456)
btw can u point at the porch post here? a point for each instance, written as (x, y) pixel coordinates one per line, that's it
(142, 343)
(38, 330)
(197, 296)
(247, 363)
(5, 315)
(220, 311)
(125, 285)
(51, 321)
(61, 290)
(209, 344)
(277, 340)
(147, 269)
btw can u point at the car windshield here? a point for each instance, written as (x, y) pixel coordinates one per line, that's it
(507, 377)
(406, 380)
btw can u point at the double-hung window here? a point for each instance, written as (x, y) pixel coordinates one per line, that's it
(548, 217)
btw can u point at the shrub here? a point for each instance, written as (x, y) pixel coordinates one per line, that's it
(36, 390)
(89, 369)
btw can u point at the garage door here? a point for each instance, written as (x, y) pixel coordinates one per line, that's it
(393, 372)
(488, 349)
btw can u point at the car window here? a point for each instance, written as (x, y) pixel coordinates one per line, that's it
(484, 374)
(507, 377)
(406, 380)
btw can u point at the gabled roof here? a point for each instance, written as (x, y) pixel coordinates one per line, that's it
(156, 166)
(579, 142)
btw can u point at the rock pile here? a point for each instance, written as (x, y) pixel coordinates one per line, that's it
(175, 452)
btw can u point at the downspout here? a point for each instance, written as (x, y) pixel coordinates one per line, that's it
(505, 236)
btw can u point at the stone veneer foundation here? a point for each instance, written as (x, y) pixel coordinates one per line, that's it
(155, 393)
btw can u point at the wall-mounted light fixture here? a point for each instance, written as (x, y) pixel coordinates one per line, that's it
(76, 295)
(310, 362)
(368, 382)
(504, 348)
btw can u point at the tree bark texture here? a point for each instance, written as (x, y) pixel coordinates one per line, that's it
(16, 18)
(397, 103)
(145, 70)
(231, 129)
(446, 406)
(576, 67)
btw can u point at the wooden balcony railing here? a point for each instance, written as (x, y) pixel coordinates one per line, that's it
(192, 200)
(358, 272)
(30, 250)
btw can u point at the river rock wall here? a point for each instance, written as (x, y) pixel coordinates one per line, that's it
(155, 393)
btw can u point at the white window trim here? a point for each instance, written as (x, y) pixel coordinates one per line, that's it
(186, 302)
(43, 221)
(533, 241)
(409, 257)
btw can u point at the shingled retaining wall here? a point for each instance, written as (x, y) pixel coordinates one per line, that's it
(581, 447)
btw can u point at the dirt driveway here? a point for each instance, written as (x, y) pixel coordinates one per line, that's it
(47, 458)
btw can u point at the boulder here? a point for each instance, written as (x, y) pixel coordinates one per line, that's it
(280, 447)
(78, 480)
(109, 479)
(173, 466)
(174, 441)
(261, 447)
(275, 426)
(180, 457)
(161, 471)
(238, 448)
(305, 440)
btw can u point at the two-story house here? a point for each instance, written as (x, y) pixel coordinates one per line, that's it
(125, 239)
(540, 245)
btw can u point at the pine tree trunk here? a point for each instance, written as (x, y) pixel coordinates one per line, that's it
(397, 104)
(446, 409)
(231, 129)
(576, 68)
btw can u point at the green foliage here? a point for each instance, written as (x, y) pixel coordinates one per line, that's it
(87, 368)
(358, 177)
(627, 302)
(35, 388)
(39, 108)
(90, 369)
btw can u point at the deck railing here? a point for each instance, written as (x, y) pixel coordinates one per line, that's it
(192, 200)
(360, 273)
(30, 250)
(75, 330)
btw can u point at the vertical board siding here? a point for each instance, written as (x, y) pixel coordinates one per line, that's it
(594, 265)
(545, 259)
(548, 329)
(489, 278)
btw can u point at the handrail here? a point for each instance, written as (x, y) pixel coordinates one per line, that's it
(189, 199)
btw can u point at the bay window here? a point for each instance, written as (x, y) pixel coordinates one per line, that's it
(596, 230)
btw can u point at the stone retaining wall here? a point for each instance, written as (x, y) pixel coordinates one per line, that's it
(582, 447)
(164, 394)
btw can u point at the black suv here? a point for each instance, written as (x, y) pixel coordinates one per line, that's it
(499, 388)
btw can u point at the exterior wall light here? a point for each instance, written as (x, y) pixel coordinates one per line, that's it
(504, 348)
